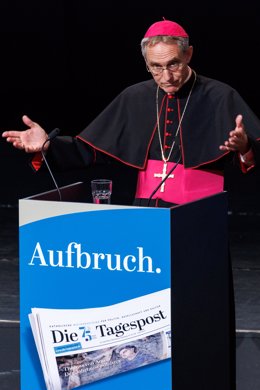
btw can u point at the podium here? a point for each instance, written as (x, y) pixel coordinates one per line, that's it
(188, 245)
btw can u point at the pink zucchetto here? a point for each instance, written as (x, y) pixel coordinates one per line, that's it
(166, 27)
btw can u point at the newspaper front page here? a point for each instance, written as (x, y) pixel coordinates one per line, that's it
(80, 346)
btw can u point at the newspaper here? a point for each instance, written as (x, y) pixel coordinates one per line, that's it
(80, 346)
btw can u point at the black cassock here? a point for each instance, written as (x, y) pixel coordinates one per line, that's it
(127, 129)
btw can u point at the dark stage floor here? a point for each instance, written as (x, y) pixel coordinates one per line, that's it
(245, 250)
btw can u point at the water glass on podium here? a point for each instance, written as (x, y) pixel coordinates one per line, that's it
(101, 191)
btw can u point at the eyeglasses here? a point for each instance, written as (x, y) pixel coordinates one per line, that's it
(158, 69)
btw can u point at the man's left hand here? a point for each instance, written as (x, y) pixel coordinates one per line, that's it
(238, 139)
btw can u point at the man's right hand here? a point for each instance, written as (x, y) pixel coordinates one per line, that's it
(29, 140)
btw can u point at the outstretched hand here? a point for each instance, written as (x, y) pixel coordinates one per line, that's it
(30, 140)
(238, 139)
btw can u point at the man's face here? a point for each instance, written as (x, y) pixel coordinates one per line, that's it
(168, 65)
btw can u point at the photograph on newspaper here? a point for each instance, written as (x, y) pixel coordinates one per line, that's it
(79, 369)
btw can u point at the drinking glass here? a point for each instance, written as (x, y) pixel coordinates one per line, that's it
(101, 191)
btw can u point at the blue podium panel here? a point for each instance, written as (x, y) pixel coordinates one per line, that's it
(76, 258)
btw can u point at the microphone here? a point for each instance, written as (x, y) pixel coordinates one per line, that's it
(53, 134)
(164, 179)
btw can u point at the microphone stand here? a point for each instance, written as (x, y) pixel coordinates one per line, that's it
(51, 136)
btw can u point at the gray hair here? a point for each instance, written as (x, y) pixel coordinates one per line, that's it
(182, 42)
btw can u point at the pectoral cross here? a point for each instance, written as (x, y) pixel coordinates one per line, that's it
(163, 175)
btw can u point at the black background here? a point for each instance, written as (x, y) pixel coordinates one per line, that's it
(62, 62)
